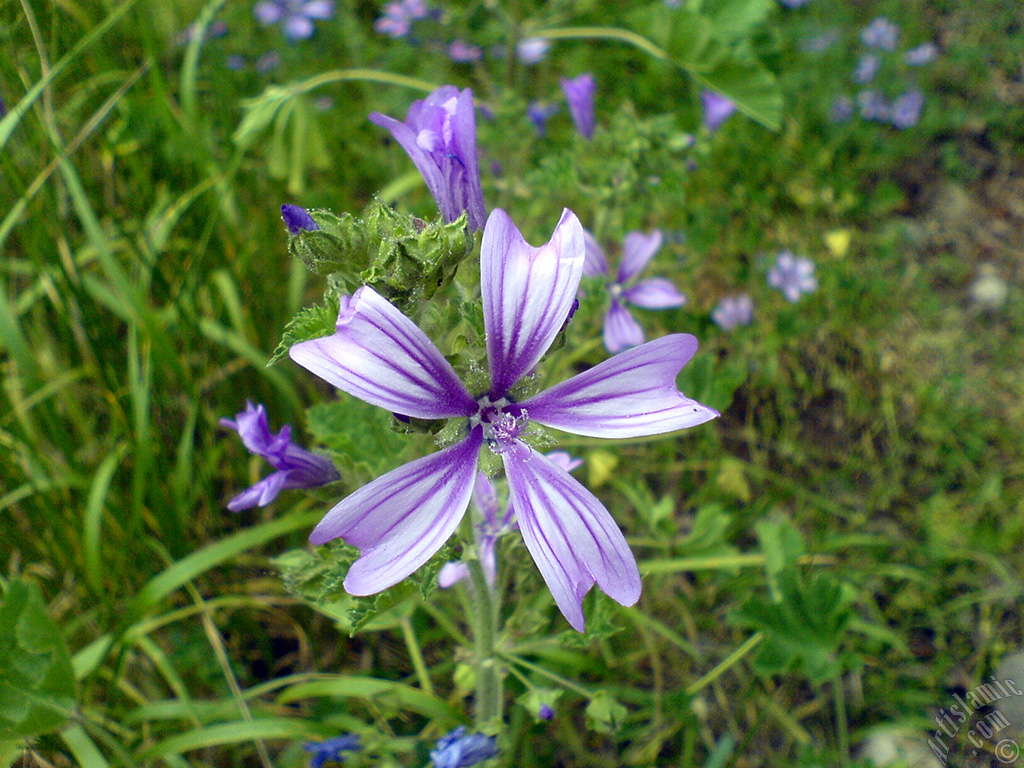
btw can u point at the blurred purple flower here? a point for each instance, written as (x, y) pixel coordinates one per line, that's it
(235, 62)
(494, 523)
(297, 219)
(540, 114)
(873, 106)
(545, 712)
(399, 16)
(296, 467)
(531, 50)
(792, 275)
(439, 135)
(463, 52)
(923, 54)
(867, 68)
(295, 16)
(330, 751)
(906, 109)
(621, 330)
(717, 109)
(880, 33)
(268, 61)
(459, 749)
(379, 355)
(819, 43)
(842, 109)
(579, 93)
(733, 311)
(214, 30)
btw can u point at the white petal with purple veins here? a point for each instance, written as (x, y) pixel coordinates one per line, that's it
(621, 330)
(655, 293)
(572, 538)
(631, 395)
(402, 518)
(379, 355)
(527, 293)
(637, 250)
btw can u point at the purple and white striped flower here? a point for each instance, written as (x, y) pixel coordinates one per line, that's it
(296, 467)
(493, 524)
(379, 355)
(439, 135)
(621, 330)
(579, 93)
(296, 17)
(792, 275)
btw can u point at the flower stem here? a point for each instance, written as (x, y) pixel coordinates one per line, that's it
(483, 619)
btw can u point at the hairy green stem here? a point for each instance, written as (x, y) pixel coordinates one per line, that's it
(483, 619)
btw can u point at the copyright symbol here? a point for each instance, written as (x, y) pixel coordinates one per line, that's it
(1007, 751)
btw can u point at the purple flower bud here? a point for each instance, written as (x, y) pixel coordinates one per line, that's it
(297, 219)
(539, 115)
(439, 135)
(296, 467)
(579, 93)
(717, 109)
(545, 712)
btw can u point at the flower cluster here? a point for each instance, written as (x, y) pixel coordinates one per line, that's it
(296, 17)
(792, 275)
(881, 38)
(399, 16)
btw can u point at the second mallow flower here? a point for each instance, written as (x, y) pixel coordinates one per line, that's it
(621, 330)
(439, 135)
(379, 355)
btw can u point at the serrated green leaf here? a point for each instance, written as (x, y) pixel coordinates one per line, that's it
(37, 683)
(600, 615)
(361, 434)
(310, 323)
(782, 545)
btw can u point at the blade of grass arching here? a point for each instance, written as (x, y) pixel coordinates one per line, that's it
(163, 665)
(86, 753)
(95, 505)
(232, 733)
(190, 65)
(184, 490)
(228, 290)
(10, 121)
(13, 340)
(188, 568)
(346, 686)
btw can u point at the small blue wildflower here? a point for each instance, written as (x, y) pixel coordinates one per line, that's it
(579, 93)
(531, 50)
(540, 113)
(545, 712)
(867, 68)
(923, 54)
(296, 17)
(873, 106)
(906, 109)
(792, 275)
(717, 109)
(842, 109)
(330, 751)
(880, 33)
(819, 43)
(461, 750)
(733, 311)
(463, 52)
(399, 16)
(297, 219)
(296, 467)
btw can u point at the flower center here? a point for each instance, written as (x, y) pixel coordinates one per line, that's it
(502, 421)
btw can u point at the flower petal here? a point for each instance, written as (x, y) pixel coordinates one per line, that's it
(402, 518)
(631, 395)
(572, 538)
(424, 163)
(527, 293)
(261, 494)
(621, 330)
(656, 293)
(637, 250)
(379, 355)
(595, 263)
